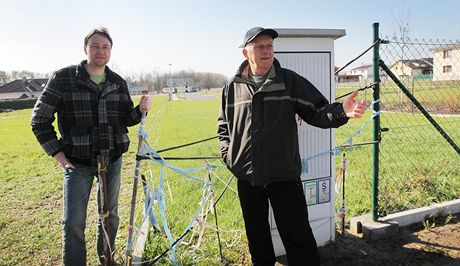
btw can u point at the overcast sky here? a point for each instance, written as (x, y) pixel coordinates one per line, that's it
(43, 36)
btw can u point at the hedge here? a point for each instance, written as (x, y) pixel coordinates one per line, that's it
(18, 104)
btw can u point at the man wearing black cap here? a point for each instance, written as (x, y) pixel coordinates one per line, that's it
(258, 141)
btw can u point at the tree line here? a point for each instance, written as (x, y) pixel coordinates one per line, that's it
(153, 81)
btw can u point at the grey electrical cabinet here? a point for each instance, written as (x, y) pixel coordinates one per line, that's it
(310, 53)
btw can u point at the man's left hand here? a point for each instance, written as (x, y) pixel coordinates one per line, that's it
(353, 108)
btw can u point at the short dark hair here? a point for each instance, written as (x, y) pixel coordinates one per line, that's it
(101, 30)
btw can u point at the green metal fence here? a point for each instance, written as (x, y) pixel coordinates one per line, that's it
(419, 160)
(413, 160)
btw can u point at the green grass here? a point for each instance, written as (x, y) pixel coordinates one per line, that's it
(416, 170)
(423, 91)
(184, 122)
(30, 188)
(417, 166)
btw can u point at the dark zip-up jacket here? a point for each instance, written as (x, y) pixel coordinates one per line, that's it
(257, 129)
(92, 119)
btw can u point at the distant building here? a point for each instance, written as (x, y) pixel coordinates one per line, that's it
(446, 65)
(364, 71)
(180, 85)
(181, 82)
(412, 67)
(180, 89)
(22, 89)
(348, 78)
(361, 74)
(137, 90)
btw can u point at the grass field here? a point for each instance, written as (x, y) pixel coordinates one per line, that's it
(425, 93)
(31, 183)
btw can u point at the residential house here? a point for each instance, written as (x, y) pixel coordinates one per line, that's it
(446, 65)
(364, 72)
(22, 89)
(411, 68)
(361, 74)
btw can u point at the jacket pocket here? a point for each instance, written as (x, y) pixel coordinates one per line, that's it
(79, 143)
(239, 160)
(121, 139)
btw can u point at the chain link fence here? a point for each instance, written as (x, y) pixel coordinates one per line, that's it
(418, 167)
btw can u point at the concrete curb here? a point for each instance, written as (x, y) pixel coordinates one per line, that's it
(389, 225)
(417, 215)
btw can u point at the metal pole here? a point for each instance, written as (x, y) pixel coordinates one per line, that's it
(413, 92)
(376, 125)
(344, 165)
(103, 211)
(217, 223)
(129, 245)
(170, 84)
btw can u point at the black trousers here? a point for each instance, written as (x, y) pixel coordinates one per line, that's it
(291, 215)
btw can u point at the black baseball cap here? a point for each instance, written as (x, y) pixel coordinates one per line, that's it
(254, 32)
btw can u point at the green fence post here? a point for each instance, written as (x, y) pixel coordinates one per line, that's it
(376, 125)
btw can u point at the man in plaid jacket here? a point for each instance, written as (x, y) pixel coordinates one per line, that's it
(94, 109)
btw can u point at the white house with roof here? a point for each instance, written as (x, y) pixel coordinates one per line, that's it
(446, 64)
(409, 68)
(361, 74)
(364, 72)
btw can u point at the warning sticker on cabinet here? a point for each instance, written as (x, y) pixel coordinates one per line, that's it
(310, 191)
(317, 191)
(324, 190)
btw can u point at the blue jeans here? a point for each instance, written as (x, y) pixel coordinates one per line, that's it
(77, 188)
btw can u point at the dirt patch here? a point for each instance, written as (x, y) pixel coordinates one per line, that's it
(434, 242)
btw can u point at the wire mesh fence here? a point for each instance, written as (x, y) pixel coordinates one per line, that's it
(418, 167)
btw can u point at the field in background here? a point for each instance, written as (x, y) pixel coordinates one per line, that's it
(445, 95)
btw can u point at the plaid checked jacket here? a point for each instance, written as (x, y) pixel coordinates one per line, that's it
(91, 119)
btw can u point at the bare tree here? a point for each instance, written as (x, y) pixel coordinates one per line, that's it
(401, 27)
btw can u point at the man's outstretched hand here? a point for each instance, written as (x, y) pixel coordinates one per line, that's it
(353, 108)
